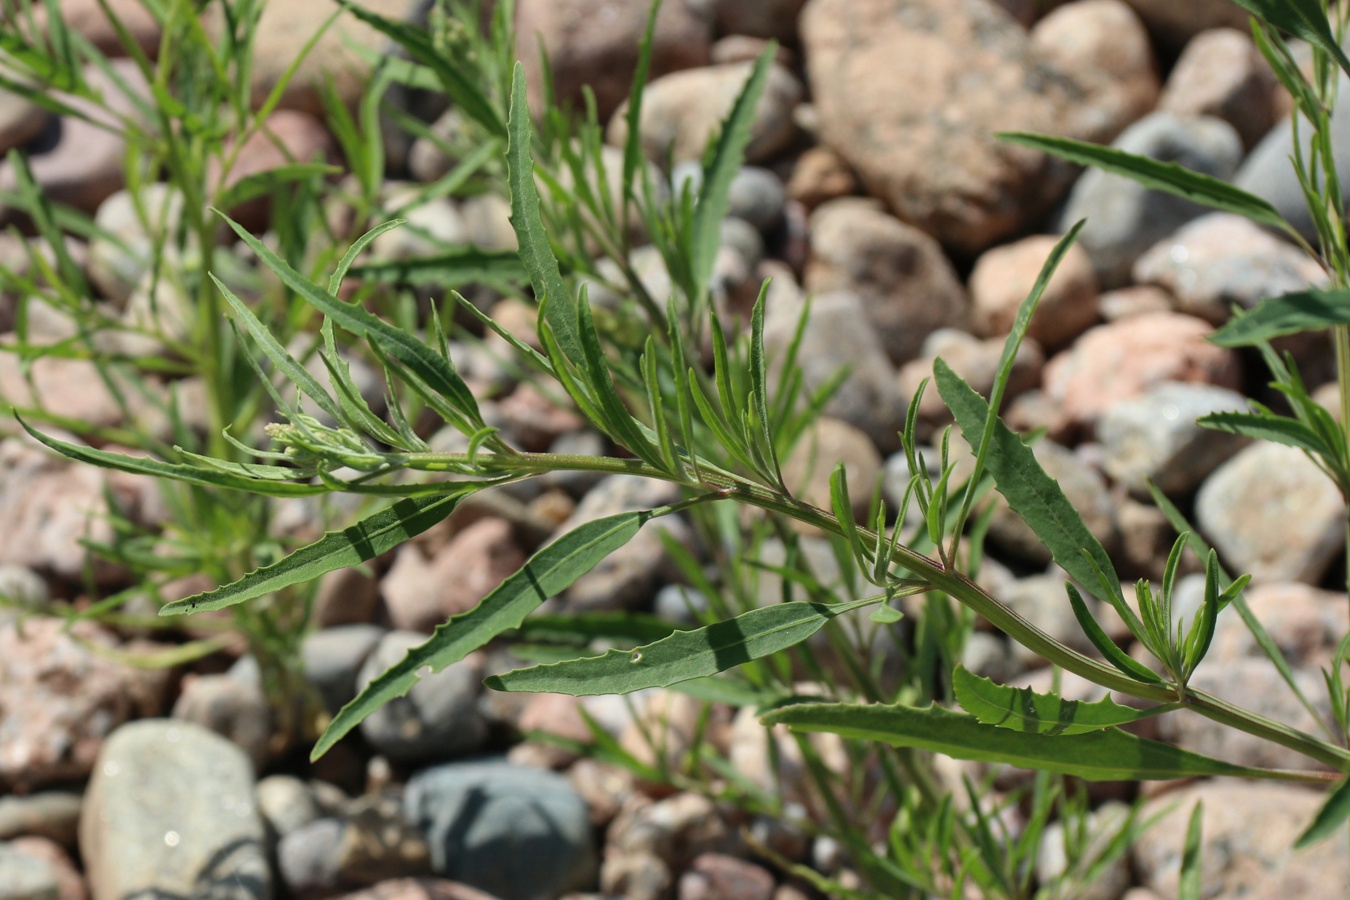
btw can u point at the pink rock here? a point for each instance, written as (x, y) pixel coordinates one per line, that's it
(1222, 74)
(716, 876)
(1004, 276)
(286, 137)
(911, 92)
(68, 880)
(906, 282)
(1103, 47)
(1303, 621)
(419, 889)
(827, 443)
(683, 110)
(1120, 359)
(422, 593)
(60, 699)
(974, 360)
(594, 42)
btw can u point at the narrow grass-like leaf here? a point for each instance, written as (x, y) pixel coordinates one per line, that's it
(550, 571)
(1329, 818)
(1267, 427)
(351, 546)
(681, 656)
(1304, 18)
(726, 157)
(1159, 176)
(1102, 641)
(434, 370)
(258, 184)
(1284, 315)
(1111, 755)
(339, 273)
(190, 474)
(462, 86)
(1031, 493)
(535, 252)
(495, 267)
(1022, 709)
(619, 421)
(1189, 882)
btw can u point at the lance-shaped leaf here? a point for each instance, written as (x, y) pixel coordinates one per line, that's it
(242, 477)
(1111, 755)
(351, 546)
(1031, 493)
(551, 570)
(1329, 818)
(680, 657)
(1286, 314)
(1158, 176)
(1267, 427)
(1304, 18)
(1025, 710)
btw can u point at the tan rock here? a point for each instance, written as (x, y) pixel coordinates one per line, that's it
(827, 443)
(1222, 74)
(820, 175)
(1004, 276)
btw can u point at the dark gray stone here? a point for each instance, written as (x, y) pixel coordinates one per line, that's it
(333, 657)
(757, 195)
(514, 831)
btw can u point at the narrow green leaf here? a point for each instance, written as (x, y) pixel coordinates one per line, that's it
(619, 421)
(259, 184)
(339, 273)
(453, 267)
(1267, 427)
(1102, 641)
(1329, 818)
(535, 252)
(433, 369)
(681, 656)
(1304, 18)
(1159, 176)
(1286, 314)
(351, 546)
(759, 383)
(1031, 493)
(1111, 755)
(1189, 883)
(726, 158)
(550, 571)
(1024, 710)
(191, 474)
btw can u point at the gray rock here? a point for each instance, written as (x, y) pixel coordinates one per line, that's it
(757, 196)
(837, 338)
(333, 657)
(53, 815)
(1271, 512)
(1042, 600)
(1125, 219)
(235, 709)
(1175, 23)
(286, 803)
(439, 716)
(26, 877)
(307, 858)
(1155, 436)
(21, 587)
(170, 812)
(517, 832)
(1268, 173)
(1221, 73)
(1223, 260)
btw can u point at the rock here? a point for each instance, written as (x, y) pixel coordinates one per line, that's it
(1154, 436)
(345, 597)
(202, 834)
(628, 577)
(675, 830)
(33, 868)
(286, 803)
(1223, 260)
(235, 710)
(1173, 24)
(1236, 859)
(22, 588)
(379, 842)
(740, 48)
(1053, 860)
(307, 858)
(1043, 600)
(604, 58)
(1087, 493)
(482, 818)
(333, 657)
(908, 287)
(818, 176)
(61, 699)
(431, 226)
(285, 138)
(437, 719)
(1004, 277)
(825, 444)
(1114, 362)
(837, 338)
(77, 162)
(974, 360)
(929, 151)
(757, 196)
(1133, 301)
(89, 19)
(640, 876)
(1271, 512)
(1222, 74)
(1268, 173)
(776, 19)
(419, 889)
(421, 594)
(716, 876)
(1124, 219)
(21, 120)
(683, 110)
(664, 730)
(1104, 49)
(71, 389)
(1304, 623)
(532, 421)
(53, 815)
